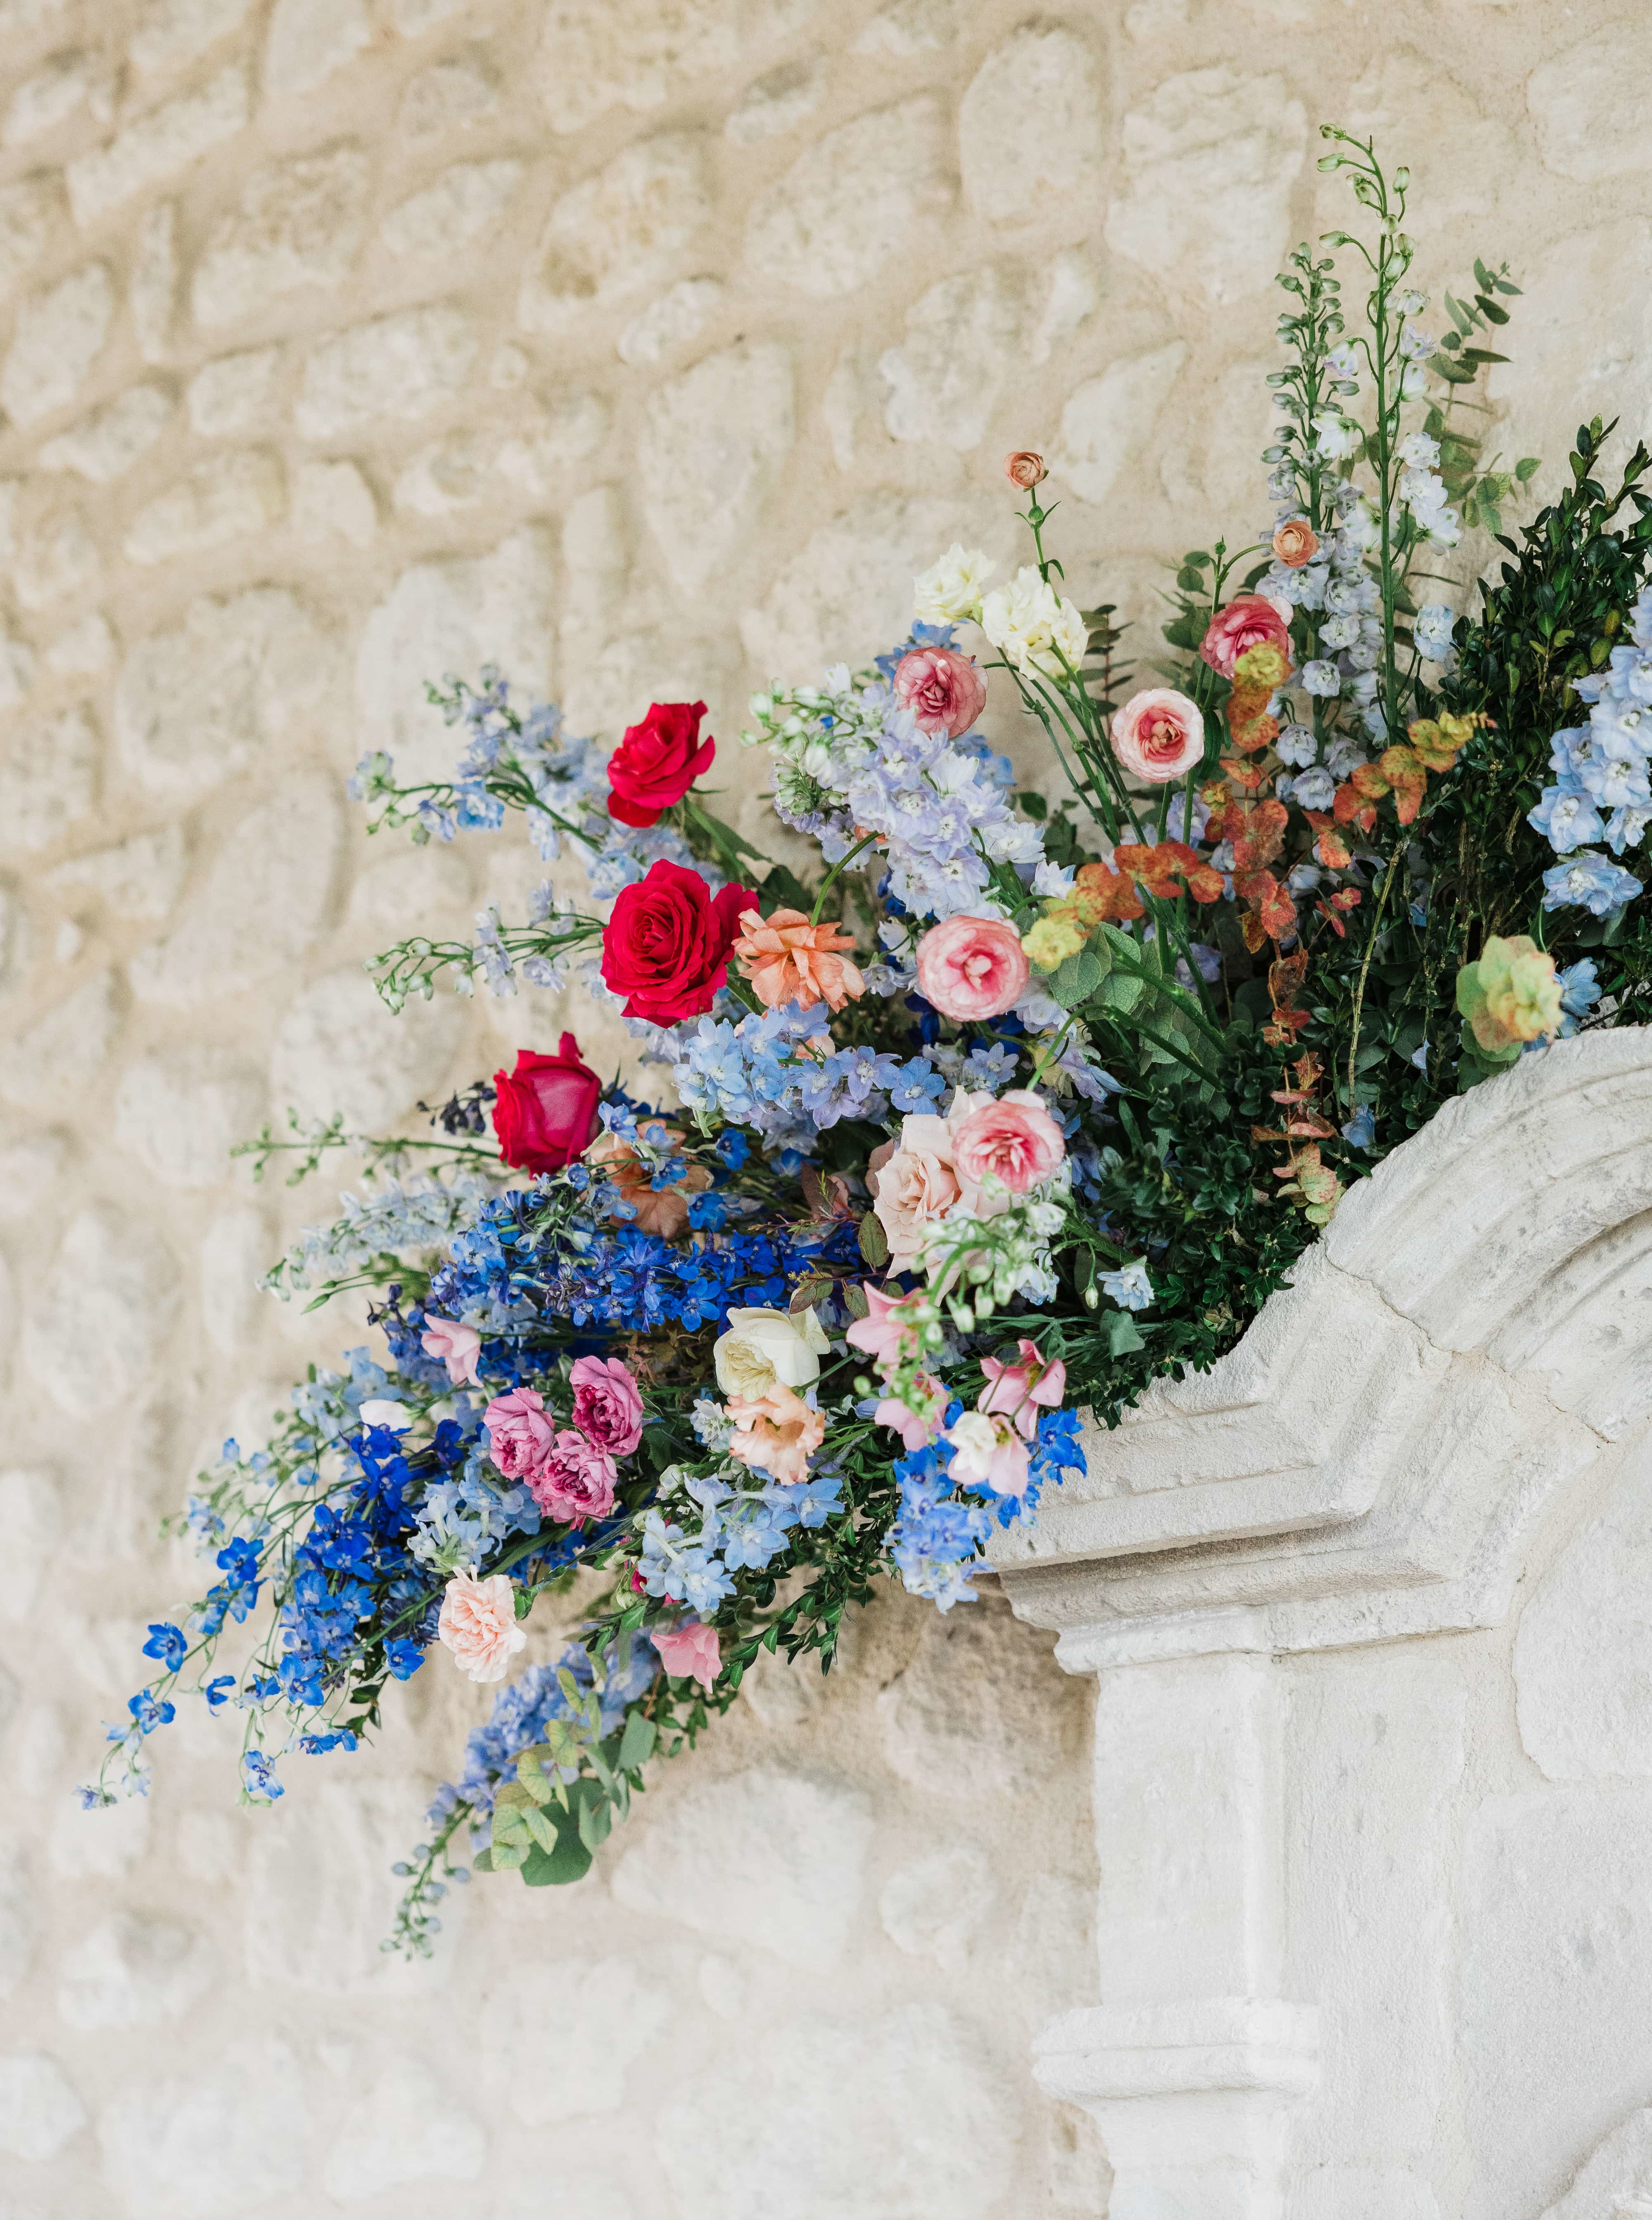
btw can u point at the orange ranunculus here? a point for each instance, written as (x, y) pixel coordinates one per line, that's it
(1296, 542)
(787, 959)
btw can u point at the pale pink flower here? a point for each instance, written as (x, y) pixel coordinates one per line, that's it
(888, 1332)
(944, 690)
(1017, 1391)
(457, 1345)
(607, 1405)
(1159, 735)
(775, 1432)
(916, 1430)
(689, 1651)
(1248, 621)
(988, 1453)
(914, 1185)
(478, 1625)
(972, 967)
(576, 1481)
(520, 1433)
(1014, 1139)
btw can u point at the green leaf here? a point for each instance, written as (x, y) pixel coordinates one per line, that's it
(1076, 978)
(483, 1861)
(1493, 314)
(874, 1242)
(595, 1824)
(1454, 374)
(1189, 579)
(523, 1599)
(1528, 467)
(1121, 991)
(1123, 1334)
(637, 1743)
(571, 1861)
(506, 1857)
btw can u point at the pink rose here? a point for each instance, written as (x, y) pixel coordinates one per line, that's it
(478, 1625)
(1159, 735)
(1251, 621)
(457, 1346)
(520, 1433)
(608, 1408)
(776, 1432)
(988, 1455)
(972, 968)
(575, 1482)
(1017, 1391)
(689, 1651)
(914, 1185)
(1014, 1138)
(888, 1330)
(944, 692)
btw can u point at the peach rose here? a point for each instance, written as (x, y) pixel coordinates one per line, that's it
(944, 690)
(663, 1211)
(775, 1432)
(1159, 735)
(1251, 621)
(970, 968)
(1024, 469)
(913, 1184)
(478, 1625)
(788, 960)
(1296, 542)
(1014, 1139)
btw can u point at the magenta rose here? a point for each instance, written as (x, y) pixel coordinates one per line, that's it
(607, 1409)
(665, 948)
(575, 1482)
(544, 1112)
(1159, 735)
(971, 968)
(1251, 620)
(944, 692)
(521, 1433)
(658, 761)
(1014, 1138)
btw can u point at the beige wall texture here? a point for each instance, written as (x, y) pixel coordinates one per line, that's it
(647, 347)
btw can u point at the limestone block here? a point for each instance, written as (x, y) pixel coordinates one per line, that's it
(1014, 173)
(222, 499)
(574, 426)
(785, 1695)
(1050, 1956)
(299, 224)
(196, 705)
(264, 902)
(770, 1858)
(139, 879)
(19, 17)
(55, 1057)
(153, 285)
(172, 32)
(105, 445)
(18, 1918)
(39, 2111)
(624, 2003)
(233, 393)
(1583, 103)
(974, 1714)
(32, 1506)
(158, 145)
(58, 557)
(913, 27)
(590, 61)
(1210, 158)
(408, 2128)
(401, 365)
(1615, 2183)
(448, 474)
(219, 2140)
(307, 40)
(338, 1048)
(945, 379)
(620, 229)
(132, 1971)
(1571, 367)
(709, 453)
(413, 18)
(1107, 419)
(28, 1169)
(113, 1287)
(671, 321)
(67, 81)
(1208, 455)
(235, 1251)
(83, 649)
(777, 102)
(28, 210)
(334, 501)
(181, 1110)
(451, 95)
(17, 668)
(934, 1907)
(98, 1845)
(48, 779)
(465, 200)
(1464, 160)
(59, 334)
(858, 197)
(884, 2120)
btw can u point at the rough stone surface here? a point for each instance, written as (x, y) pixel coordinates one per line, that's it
(222, 499)
(402, 366)
(48, 780)
(340, 1048)
(299, 224)
(157, 145)
(618, 230)
(1012, 175)
(110, 441)
(180, 1111)
(711, 450)
(58, 336)
(856, 197)
(946, 380)
(465, 201)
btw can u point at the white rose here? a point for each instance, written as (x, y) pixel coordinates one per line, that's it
(949, 591)
(1027, 620)
(764, 1349)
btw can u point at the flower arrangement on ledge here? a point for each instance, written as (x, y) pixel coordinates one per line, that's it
(999, 1112)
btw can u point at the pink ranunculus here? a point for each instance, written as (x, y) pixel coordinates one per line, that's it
(988, 1455)
(1159, 735)
(689, 1651)
(1014, 1138)
(1017, 1391)
(887, 1331)
(944, 690)
(972, 967)
(457, 1345)
(914, 1185)
(478, 1625)
(520, 1433)
(576, 1481)
(607, 1407)
(1249, 620)
(775, 1432)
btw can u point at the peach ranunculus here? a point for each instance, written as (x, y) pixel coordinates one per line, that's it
(1295, 542)
(1159, 735)
(775, 1432)
(944, 690)
(458, 1345)
(914, 1185)
(970, 968)
(689, 1651)
(663, 1211)
(1249, 620)
(478, 1625)
(1024, 469)
(1014, 1139)
(788, 960)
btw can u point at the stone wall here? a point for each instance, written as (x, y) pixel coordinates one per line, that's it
(644, 347)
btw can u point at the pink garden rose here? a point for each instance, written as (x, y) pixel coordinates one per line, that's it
(478, 1625)
(689, 1651)
(972, 968)
(1014, 1138)
(775, 1432)
(944, 690)
(520, 1433)
(1017, 1391)
(1249, 620)
(576, 1481)
(1159, 735)
(457, 1345)
(987, 1453)
(608, 1408)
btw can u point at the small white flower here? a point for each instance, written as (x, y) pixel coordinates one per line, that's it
(949, 591)
(1053, 881)
(1321, 677)
(1335, 437)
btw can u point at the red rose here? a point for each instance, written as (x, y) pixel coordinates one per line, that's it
(545, 1112)
(666, 946)
(658, 761)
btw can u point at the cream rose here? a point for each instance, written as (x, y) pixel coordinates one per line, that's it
(949, 591)
(765, 1348)
(1028, 621)
(914, 1185)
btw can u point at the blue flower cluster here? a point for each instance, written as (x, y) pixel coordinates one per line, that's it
(758, 1073)
(522, 1712)
(1603, 789)
(738, 1528)
(937, 1538)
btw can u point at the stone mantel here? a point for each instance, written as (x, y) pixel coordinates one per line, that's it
(1316, 1816)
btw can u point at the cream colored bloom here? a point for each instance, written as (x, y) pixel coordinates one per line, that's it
(949, 591)
(765, 1348)
(1028, 621)
(478, 1625)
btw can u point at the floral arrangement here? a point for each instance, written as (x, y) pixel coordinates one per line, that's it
(992, 1114)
